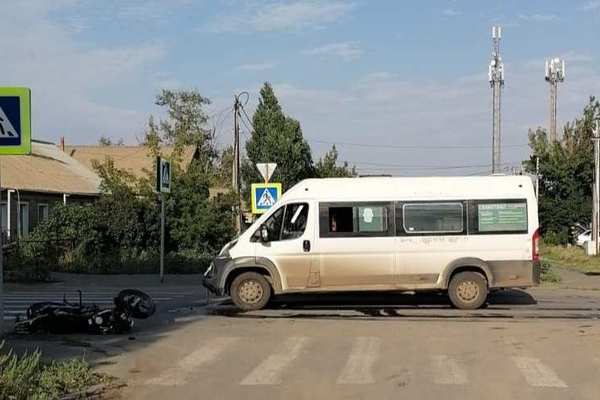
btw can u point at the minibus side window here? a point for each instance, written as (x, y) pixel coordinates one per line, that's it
(287, 222)
(356, 219)
(294, 222)
(422, 218)
(341, 219)
(498, 216)
(273, 224)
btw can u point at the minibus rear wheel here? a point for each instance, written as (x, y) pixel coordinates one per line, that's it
(250, 291)
(468, 290)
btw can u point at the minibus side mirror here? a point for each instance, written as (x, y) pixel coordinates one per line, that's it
(264, 233)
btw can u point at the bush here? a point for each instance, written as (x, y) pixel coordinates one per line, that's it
(17, 374)
(27, 378)
(556, 238)
(548, 274)
(61, 377)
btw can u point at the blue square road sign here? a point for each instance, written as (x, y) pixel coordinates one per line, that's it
(15, 120)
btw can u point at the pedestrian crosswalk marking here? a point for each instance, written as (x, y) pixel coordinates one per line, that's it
(6, 127)
(538, 374)
(270, 371)
(447, 371)
(180, 374)
(266, 199)
(358, 368)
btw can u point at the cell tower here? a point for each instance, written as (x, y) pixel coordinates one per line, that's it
(555, 72)
(496, 78)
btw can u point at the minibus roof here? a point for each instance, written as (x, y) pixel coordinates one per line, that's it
(400, 188)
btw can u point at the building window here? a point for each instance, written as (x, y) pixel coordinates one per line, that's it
(432, 218)
(355, 219)
(23, 219)
(43, 212)
(4, 217)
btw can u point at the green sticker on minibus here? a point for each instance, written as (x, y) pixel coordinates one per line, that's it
(502, 217)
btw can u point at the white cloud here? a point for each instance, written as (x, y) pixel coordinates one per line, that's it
(450, 12)
(591, 5)
(256, 67)
(385, 109)
(70, 81)
(282, 16)
(538, 17)
(347, 51)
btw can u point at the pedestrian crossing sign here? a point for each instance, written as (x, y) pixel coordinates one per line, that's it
(15, 120)
(264, 195)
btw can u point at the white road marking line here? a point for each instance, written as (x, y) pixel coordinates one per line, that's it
(189, 318)
(270, 371)
(86, 299)
(358, 368)
(537, 373)
(180, 373)
(447, 371)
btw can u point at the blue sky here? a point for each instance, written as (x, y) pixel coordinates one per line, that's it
(384, 73)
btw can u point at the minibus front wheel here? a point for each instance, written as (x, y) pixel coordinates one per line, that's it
(468, 290)
(250, 291)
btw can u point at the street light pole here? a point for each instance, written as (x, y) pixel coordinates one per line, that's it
(596, 196)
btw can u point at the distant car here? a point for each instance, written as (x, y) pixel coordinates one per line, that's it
(583, 237)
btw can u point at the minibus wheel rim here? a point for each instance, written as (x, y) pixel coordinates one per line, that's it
(468, 291)
(250, 292)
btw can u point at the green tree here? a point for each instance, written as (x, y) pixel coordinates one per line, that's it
(276, 138)
(107, 141)
(327, 167)
(224, 167)
(566, 169)
(186, 124)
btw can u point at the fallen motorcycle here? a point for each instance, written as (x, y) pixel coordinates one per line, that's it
(69, 317)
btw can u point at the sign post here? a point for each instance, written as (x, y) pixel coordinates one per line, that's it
(163, 185)
(15, 139)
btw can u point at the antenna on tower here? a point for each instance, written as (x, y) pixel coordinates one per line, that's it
(554, 73)
(496, 79)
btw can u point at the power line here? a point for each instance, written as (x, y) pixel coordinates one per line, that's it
(397, 166)
(424, 147)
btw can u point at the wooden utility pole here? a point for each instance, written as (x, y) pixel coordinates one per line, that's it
(236, 181)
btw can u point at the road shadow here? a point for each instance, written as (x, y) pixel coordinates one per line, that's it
(351, 300)
(377, 303)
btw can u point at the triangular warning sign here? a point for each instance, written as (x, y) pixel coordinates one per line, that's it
(266, 199)
(6, 127)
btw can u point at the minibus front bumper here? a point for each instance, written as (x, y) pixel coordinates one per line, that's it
(213, 277)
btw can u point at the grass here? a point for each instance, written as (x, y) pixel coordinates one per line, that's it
(26, 377)
(572, 257)
(549, 274)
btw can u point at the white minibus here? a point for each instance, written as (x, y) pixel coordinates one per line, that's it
(461, 235)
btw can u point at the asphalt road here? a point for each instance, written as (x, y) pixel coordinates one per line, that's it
(541, 343)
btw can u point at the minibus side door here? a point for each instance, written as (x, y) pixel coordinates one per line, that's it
(355, 245)
(289, 245)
